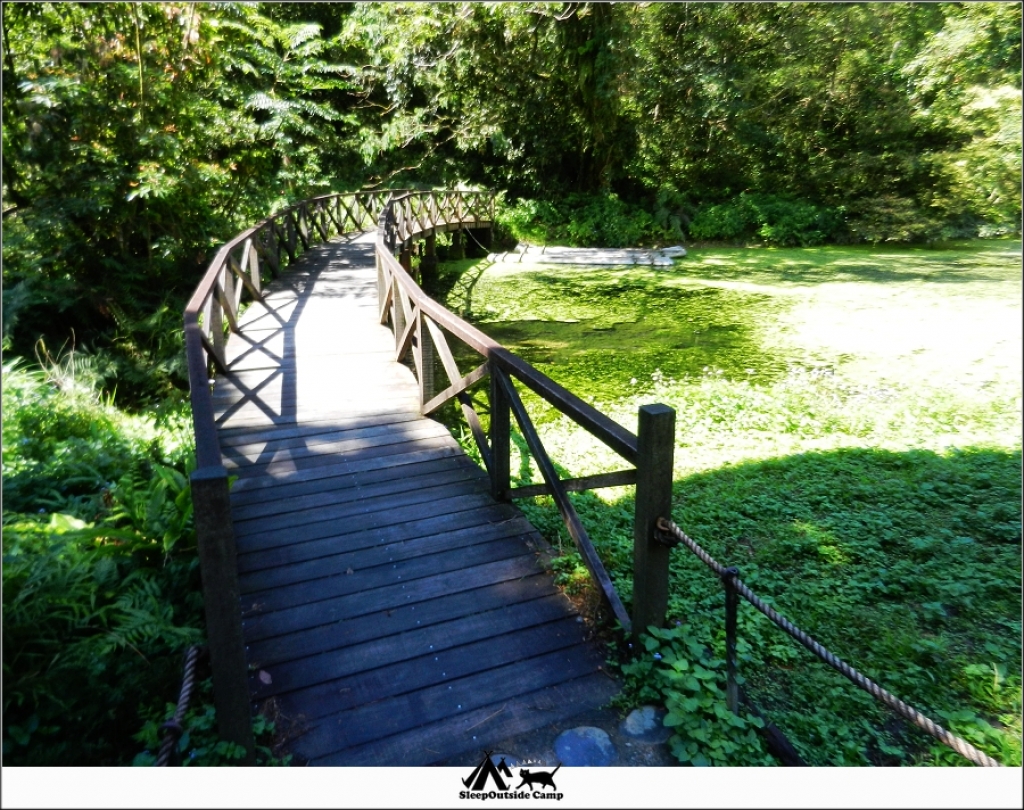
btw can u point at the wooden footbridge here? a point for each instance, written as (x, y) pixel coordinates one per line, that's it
(359, 570)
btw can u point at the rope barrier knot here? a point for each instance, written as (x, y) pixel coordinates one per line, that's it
(173, 729)
(663, 534)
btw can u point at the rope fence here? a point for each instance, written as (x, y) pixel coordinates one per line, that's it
(671, 534)
(172, 729)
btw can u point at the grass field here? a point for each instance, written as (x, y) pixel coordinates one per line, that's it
(848, 434)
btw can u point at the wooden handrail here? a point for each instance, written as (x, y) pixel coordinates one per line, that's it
(239, 267)
(418, 320)
(608, 431)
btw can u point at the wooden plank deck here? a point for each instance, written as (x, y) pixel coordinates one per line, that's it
(392, 609)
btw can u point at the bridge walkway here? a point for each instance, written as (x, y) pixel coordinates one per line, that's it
(393, 612)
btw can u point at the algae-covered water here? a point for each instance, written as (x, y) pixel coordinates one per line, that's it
(871, 314)
(607, 332)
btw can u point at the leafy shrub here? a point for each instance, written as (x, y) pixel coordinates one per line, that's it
(998, 734)
(200, 745)
(678, 668)
(526, 220)
(63, 446)
(147, 354)
(776, 220)
(92, 625)
(587, 220)
(889, 218)
(100, 579)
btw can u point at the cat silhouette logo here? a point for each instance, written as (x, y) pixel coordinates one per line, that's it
(488, 770)
(542, 778)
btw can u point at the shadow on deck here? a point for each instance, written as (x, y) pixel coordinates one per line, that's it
(393, 612)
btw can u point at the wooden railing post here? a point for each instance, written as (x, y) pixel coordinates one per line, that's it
(458, 248)
(428, 262)
(501, 418)
(655, 446)
(397, 312)
(217, 558)
(426, 358)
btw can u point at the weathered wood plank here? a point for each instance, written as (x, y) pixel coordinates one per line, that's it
(394, 572)
(353, 450)
(253, 487)
(328, 511)
(327, 611)
(366, 557)
(372, 704)
(338, 366)
(354, 410)
(412, 616)
(264, 412)
(337, 440)
(351, 487)
(452, 524)
(443, 509)
(244, 436)
(468, 732)
(531, 637)
(422, 646)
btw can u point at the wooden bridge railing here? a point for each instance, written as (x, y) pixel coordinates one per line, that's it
(245, 263)
(241, 267)
(418, 321)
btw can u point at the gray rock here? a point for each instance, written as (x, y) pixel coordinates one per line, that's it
(646, 725)
(675, 250)
(585, 746)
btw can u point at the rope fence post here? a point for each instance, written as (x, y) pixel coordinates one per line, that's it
(732, 689)
(221, 596)
(655, 448)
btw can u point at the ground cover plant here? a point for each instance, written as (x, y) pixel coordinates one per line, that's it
(848, 435)
(101, 590)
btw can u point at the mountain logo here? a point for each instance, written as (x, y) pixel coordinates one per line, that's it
(488, 770)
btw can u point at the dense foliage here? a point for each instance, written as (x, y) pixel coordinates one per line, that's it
(100, 576)
(101, 591)
(137, 136)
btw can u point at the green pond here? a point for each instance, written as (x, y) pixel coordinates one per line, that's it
(751, 313)
(609, 332)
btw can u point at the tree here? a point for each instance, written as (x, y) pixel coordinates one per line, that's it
(137, 137)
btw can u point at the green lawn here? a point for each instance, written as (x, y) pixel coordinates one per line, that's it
(848, 434)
